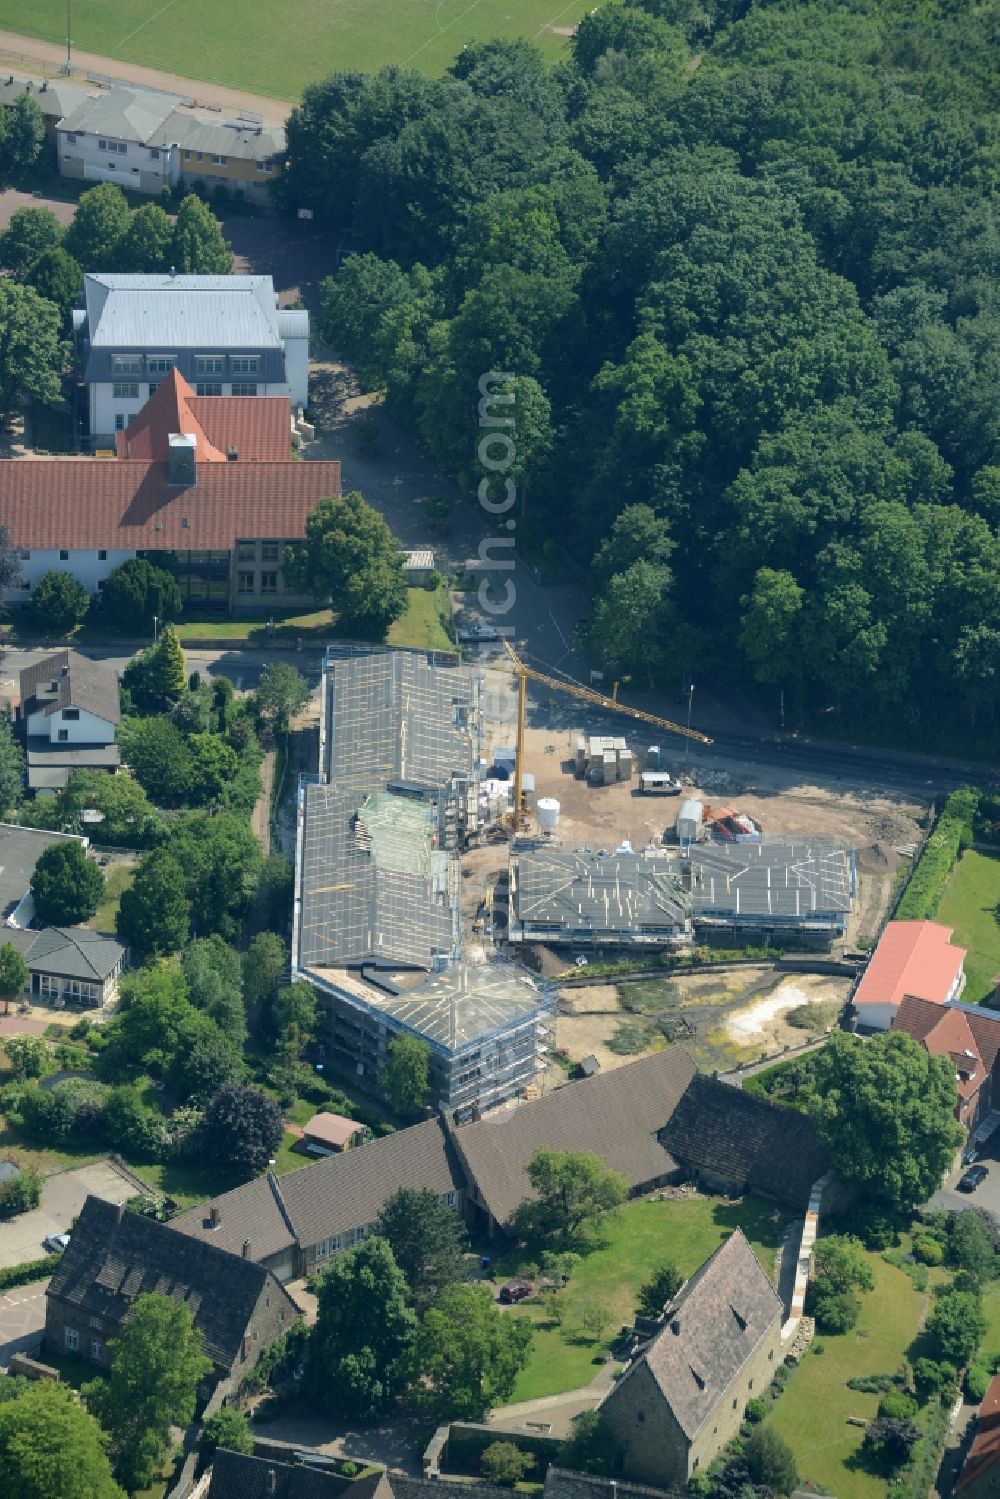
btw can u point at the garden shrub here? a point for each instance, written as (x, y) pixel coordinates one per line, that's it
(977, 1382)
(28, 1271)
(897, 1405)
(927, 1250)
(953, 832)
(835, 1312)
(756, 1409)
(871, 1384)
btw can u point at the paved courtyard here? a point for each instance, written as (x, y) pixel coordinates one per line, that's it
(22, 1318)
(986, 1196)
(63, 1195)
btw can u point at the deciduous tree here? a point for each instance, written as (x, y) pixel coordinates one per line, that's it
(282, 692)
(31, 349)
(101, 219)
(770, 1460)
(363, 1334)
(242, 1127)
(30, 232)
(153, 912)
(428, 1242)
(197, 246)
(467, 1354)
(661, 1287)
(264, 967)
(145, 246)
(51, 1448)
(406, 1074)
(351, 558)
(59, 602)
(158, 1362)
(138, 592)
(571, 1187)
(66, 886)
(13, 977)
(57, 277)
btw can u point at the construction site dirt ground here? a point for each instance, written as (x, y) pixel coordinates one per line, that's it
(602, 817)
(723, 1019)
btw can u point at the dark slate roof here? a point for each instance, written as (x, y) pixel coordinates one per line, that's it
(741, 1138)
(68, 680)
(561, 1483)
(237, 1476)
(114, 1256)
(74, 952)
(711, 1328)
(255, 1211)
(617, 1115)
(336, 1194)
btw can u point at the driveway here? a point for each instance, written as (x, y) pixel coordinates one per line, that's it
(22, 1318)
(63, 1195)
(986, 1196)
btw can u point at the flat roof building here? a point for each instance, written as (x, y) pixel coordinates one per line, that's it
(377, 917)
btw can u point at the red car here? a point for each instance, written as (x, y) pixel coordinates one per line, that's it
(515, 1290)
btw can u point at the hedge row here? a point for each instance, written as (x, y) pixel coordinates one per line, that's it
(23, 1275)
(930, 875)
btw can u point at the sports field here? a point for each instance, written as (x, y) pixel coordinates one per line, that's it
(274, 47)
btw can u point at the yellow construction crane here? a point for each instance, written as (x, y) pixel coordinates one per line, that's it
(523, 672)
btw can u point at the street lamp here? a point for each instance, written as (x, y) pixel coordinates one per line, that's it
(687, 742)
(156, 621)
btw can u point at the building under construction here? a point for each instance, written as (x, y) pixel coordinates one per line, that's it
(377, 924)
(668, 897)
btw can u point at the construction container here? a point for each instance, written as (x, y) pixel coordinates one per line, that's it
(625, 765)
(547, 812)
(528, 788)
(689, 825)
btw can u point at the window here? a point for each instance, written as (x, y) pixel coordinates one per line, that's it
(244, 582)
(244, 388)
(734, 1405)
(750, 1385)
(450, 1199)
(96, 1349)
(321, 1250)
(209, 364)
(209, 388)
(220, 161)
(152, 387)
(64, 555)
(246, 551)
(334, 1244)
(270, 551)
(102, 555)
(640, 1416)
(160, 364)
(126, 364)
(72, 1338)
(125, 390)
(25, 556)
(269, 582)
(102, 145)
(263, 166)
(63, 736)
(244, 364)
(187, 155)
(154, 154)
(119, 421)
(96, 1322)
(770, 1357)
(117, 148)
(71, 715)
(70, 138)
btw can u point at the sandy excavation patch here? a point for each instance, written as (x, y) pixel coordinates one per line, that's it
(764, 1020)
(587, 1035)
(595, 999)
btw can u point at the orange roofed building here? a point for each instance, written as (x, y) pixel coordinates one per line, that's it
(203, 485)
(980, 1475)
(913, 958)
(970, 1037)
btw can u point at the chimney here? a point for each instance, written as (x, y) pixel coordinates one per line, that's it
(214, 1217)
(232, 452)
(246, 1249)
(119, 1212)
(182, 460)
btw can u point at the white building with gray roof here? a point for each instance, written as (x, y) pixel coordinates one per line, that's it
(225, 334)
(145, 140)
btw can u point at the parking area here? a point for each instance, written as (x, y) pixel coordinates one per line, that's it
(986, 1195)
(22, 1318)
(63, 1195)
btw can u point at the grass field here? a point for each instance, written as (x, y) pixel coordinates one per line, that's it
(420, 626)
(812, 1413)
(276, 49)
(969, 904)
(116, 883)
(631, 1244)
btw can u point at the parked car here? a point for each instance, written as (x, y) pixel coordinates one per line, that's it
(56, 1243)
(475, 633)
(515, 1290)
(973, 1178)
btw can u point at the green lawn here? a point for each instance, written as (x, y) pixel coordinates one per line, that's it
(188, 1183)
(420, 626)
(812, 1413)
(277, 49)
(631, 1245)
(969, 904)
(117, 882)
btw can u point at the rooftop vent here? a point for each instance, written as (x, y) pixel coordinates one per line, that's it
(215, 1217)
(675, 1327)
(232, 452)
(246, 1249)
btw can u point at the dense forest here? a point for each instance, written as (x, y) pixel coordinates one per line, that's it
(743, 265)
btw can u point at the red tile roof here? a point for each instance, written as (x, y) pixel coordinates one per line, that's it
(912, 957)
(950, 1036)
(84, 503)
(257, 426)
(985, 1449)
